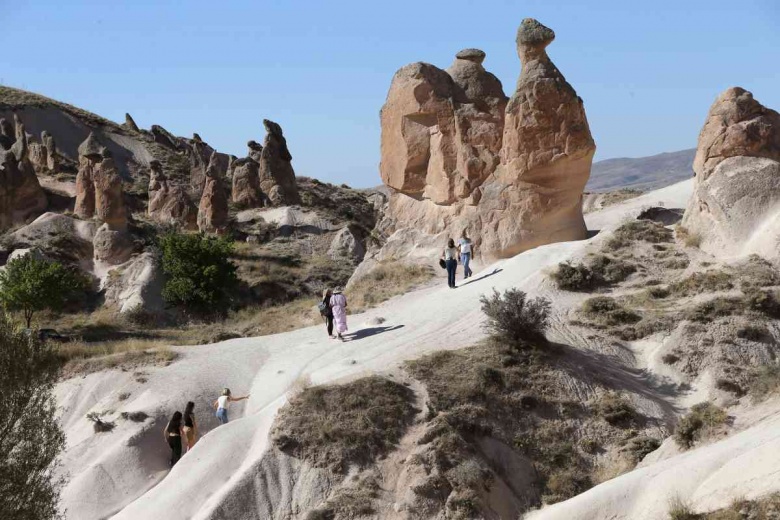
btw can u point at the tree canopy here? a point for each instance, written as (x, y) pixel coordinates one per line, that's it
(200, 275)
(31, 284)
(30, 437)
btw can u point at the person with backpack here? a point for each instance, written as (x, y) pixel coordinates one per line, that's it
(223, 403)
(466, 250)
(338, 304)
(173, 433)
(326, 312)
(450, 257)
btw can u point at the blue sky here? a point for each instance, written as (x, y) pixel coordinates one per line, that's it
(647, 71)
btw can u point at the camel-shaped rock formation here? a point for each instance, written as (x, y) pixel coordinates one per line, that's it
(457, 155)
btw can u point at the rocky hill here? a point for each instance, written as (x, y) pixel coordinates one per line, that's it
(641, 173)
(94, 193)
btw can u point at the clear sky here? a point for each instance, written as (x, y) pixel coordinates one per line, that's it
(647, 70)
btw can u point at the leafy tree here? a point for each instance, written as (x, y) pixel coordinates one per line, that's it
(30, 284)
(30, 437)
(201, 276)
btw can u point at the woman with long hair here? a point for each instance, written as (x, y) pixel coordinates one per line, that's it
(190, 427)
(450, 257)
(327, 312)
(173, 433)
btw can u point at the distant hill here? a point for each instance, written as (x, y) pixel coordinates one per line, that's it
(641, 173)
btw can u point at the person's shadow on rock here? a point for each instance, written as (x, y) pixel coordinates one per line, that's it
(371, 331)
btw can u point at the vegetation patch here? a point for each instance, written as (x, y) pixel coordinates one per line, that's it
(687, 237)
(600, 271)
(697, 283)
(616, 410)
(765, 508)
(338, 426)
(516, 396)
(201, 277)
(700, 421)
(638, 230)
(385, 281)
(606, 311)
(513, 319)
(764, 382)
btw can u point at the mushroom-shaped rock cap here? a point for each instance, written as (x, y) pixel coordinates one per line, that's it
(254, 146)
(475, 55)
(155, 165)
(533, 34)
(91, 147)
(271, 127)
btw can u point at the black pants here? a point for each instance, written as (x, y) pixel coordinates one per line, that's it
(175, 444)
(329, 324)
(452, 266)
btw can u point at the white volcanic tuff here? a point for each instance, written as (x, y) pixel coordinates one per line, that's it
(123, 465)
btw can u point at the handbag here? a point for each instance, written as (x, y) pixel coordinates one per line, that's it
(442, 263)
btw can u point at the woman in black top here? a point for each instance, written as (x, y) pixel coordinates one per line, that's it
(173, 433)
(327, 312)
(190, 428)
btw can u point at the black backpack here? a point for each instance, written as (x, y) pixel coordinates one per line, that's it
(323, 308)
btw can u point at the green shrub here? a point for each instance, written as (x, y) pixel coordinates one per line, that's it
(702, 416)
(601, 270)
(638, 230)
(574, 277)
(764, 381)
(640, 447)
(616, 410)
(607, 311)
(201, 277)
(708, 281)
(31, 438)
(30, 284)
(513, 319)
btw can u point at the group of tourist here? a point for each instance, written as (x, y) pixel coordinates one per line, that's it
(185, 427)
(450, 255)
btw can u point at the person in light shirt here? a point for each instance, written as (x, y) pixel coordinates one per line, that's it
(466, 249)
(223, 403)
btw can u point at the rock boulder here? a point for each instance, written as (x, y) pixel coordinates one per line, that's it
(213, 207)
(169, 203)
(276, 173)
(735, 207)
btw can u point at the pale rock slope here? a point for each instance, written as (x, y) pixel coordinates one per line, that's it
(125, 472)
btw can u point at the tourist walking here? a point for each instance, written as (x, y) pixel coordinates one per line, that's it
(173, 433)
(327, 312)
(223, 403)
(466, 250)
(338, 305)
(450, 255)
(190, 427)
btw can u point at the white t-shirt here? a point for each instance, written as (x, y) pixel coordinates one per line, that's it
(223, 402)
(450, 253)
(465, 245)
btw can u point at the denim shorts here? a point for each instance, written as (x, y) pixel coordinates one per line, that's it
(222, 415)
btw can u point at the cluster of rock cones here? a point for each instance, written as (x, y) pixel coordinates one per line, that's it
(264, 178)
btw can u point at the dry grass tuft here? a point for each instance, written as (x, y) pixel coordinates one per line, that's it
(702, 419)
(385, 281)
(687, 237)
(338, 426)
